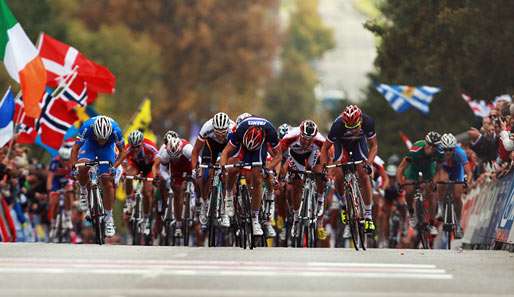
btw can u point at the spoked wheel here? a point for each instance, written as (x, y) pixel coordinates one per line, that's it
(98, 222)
(353, 222)
(249, 239)
(312, 238)
(187, 219)
(448, 224)
(362, 235)
(422, 227)
(213, 217)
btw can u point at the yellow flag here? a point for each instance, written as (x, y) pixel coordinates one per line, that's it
(142, 121)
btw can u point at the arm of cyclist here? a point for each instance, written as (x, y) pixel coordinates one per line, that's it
(468, 172)
(123, 155)
(373, 149)
(401, 169)
(155, 167)
(225, 153)
(75, 152)
(325, 149)
(197, 148)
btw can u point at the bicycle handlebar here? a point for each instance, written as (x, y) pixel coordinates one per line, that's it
(344, 164)
(243, 165)
(138, 177)
(91, 163)
(308, 172)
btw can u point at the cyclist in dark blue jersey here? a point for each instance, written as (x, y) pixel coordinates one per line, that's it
(354, 131)
(254, 136)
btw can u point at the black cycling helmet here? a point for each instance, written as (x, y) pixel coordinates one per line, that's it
(433, 138)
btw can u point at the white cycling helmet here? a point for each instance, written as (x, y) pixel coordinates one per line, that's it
(221, 122)
(448, 141)
(65, 152)
(391, 170)
(102, 127)
(174, 146)
(135, 138)
(283, 130)
(241, 117)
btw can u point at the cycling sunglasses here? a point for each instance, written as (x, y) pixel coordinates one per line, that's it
(357, 125)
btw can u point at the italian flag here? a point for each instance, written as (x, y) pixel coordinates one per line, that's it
(21, 61)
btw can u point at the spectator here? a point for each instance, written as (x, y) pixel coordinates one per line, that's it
(484, 141)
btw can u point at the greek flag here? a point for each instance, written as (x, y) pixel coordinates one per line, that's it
(401, 98)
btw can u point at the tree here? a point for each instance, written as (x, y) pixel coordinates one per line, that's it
(460, 46)
(290, 97)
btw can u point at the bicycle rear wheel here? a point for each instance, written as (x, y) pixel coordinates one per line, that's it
(136, 239)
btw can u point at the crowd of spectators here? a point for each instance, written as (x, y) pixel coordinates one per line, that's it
(491, 147)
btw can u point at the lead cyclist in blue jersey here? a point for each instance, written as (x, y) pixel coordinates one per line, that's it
(98, 139)
(454, 168)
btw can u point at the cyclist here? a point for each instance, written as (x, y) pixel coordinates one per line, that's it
(455, 166)
(393, 200)
(253, 135)
(303, 144)
(422, 157)
(59, 177)
(354, 131)
(140, 153)
(176, 156)
(211, 140)
(280, 190)
(97, 139)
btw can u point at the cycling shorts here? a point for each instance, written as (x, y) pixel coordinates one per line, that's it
(455, 173)
(412, 171)
(359, 150)
(144, 169)
(91, 151)
(298, 161)
(258, 155)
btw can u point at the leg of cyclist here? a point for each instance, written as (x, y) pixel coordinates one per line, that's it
(178, 203)
(129, 189)
(107, 182)
(147, 205)
(68, 201)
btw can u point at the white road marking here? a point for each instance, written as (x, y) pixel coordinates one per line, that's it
(156, 268)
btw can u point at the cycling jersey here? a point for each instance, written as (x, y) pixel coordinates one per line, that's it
(378, 167)
(62, 173)
(299, 154)
(351, 140)
(419, 161)
(179, 166)
(142, 157)
(455, 164)
(270, 138)
(90, 148)
(213, 144)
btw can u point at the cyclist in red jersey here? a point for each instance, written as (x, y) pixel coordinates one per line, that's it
(176, 154)
(140, 154)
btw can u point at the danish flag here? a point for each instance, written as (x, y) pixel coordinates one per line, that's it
(61, 59)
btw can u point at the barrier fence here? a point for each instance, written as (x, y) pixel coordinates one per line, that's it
(488, 215)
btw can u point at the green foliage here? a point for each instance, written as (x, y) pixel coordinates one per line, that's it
(290, 97)
(460, 46)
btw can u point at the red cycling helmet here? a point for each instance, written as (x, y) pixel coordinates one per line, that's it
(253, 138)
(308, 128)
(352, 116)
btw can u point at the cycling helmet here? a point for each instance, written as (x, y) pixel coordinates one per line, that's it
(282, 130)
(448, 141)
(308, 129)
(135, 138)
(221, 122)
(433, 138)
(65, 152)
(169, 133)
(352, 116)
(102, 127)
(241, 117)
(391, 170)
(174, 146)
(253, 138)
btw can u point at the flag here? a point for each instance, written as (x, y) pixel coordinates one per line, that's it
(25, 125)
(60, 59)
(406, 140)
(401, 98)
(83, 114)
(55, 120)
(7, 107)
(142, 121)
(73, 90)
(21, 60)
(479, 108)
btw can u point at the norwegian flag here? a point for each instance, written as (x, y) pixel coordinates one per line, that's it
(54, 121)
(73, 90)
(479, 108)
(25, 126)
(60, 59)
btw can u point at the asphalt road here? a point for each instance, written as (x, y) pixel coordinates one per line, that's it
(90, 270)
